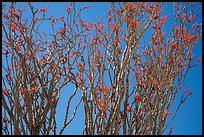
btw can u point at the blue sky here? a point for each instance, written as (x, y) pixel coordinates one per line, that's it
(189, 117)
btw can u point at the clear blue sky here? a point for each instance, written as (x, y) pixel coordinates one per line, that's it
(189, 117)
